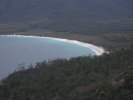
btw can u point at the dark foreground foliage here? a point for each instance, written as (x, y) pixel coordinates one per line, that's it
(108, 77)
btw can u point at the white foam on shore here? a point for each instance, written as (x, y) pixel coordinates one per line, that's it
(96, 49)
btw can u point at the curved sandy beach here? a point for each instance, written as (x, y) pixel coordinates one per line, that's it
(96, 49)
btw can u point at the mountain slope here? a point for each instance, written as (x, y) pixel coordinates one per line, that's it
(80, 16)
(23, 9)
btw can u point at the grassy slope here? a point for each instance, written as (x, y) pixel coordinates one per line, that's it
(81, 26)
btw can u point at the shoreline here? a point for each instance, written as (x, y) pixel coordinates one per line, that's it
(98, 50)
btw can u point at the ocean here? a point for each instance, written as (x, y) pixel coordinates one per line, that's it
(17, 51)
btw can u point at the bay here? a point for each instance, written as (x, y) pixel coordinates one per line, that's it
(24, 50)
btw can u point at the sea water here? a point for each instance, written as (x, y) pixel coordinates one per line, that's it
(24, 50)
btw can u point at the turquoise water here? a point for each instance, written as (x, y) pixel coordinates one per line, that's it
(16, 50)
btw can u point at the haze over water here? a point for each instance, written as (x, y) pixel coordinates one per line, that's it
(15, 50)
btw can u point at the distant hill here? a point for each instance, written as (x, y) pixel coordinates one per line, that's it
(79, 16)
(13, 10)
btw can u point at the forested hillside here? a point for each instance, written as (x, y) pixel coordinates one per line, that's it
(79, 16)
(107, 77)
(23, 9)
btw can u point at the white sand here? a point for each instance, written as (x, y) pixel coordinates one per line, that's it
(96, 49)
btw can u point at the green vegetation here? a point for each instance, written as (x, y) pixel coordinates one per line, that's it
(12, 27)
(83, 26)
(76, 16)
(107, 77)
(119, 37)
